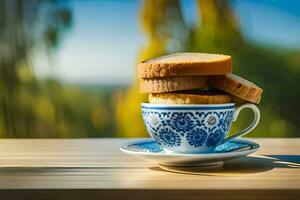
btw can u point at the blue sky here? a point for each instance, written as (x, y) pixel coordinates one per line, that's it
(271, 22)
(106, 36)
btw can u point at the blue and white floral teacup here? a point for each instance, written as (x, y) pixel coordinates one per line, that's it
(193, 128)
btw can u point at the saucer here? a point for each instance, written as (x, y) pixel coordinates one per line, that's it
(148, 149)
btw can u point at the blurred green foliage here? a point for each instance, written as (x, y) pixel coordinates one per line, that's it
(276, 70)
(43, 108)
(30, 107)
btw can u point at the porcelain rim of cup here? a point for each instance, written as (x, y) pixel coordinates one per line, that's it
(152, 105)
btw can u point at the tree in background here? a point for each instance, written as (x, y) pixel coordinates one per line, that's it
(21, 24)
(165, 29)
(275, 70)
(30, 107)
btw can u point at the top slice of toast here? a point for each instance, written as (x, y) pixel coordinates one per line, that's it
(185, 64)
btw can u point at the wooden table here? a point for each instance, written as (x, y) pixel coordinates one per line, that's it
(96, 169)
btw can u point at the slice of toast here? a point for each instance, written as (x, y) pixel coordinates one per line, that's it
(185, 64)
(237, 86)
(170, 84)
(191, 97)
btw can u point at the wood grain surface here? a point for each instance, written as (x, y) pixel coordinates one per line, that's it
(97, 169)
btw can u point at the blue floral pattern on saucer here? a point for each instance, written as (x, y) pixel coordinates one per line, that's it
(152, 147)
(149, 150)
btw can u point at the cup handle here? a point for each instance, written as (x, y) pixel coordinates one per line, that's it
(256, 112)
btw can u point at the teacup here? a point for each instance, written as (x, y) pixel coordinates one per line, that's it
(193, 128)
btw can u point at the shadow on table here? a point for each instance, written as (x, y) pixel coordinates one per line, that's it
(242, 166)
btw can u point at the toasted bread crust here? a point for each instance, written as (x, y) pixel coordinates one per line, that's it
(147, 69)
(183, 98)
(236, 87)
(169, 84)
